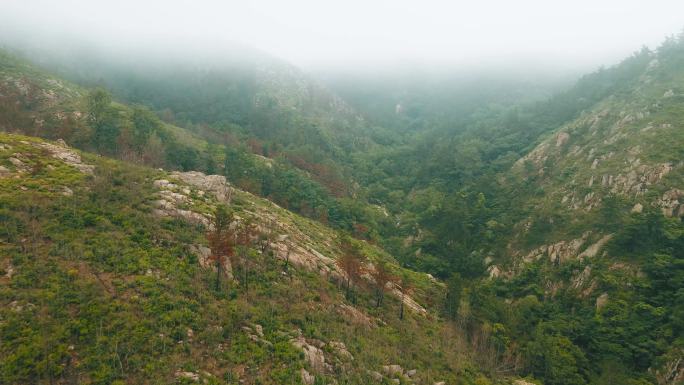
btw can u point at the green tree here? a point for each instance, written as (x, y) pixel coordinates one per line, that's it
(453, 295)
(221, 241)
(103, 120)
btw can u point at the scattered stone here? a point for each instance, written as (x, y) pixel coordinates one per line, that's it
(4, 172)
(67, 192)
(601, 301)
(393, 370)
(668, 94)
(314, 356)
(68, 156)
(638, 208)
(340, 349)
(376, 376)
(411, 372)
(189, 375)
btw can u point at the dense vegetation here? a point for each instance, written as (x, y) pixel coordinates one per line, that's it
(456, 191)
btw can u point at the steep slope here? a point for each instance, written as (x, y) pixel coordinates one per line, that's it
(105, 279)
(595, 260)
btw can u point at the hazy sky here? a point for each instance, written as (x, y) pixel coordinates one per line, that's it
(320, 33)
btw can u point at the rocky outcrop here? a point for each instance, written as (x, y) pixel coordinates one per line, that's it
(203, 255)
(558, 252)
(170, 203)
(62, 152)
(216, 184)
(313, 354)
(672, 203)
(340, 350)
(593, 249)
(307, 378)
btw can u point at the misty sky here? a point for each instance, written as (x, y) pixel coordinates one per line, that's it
(352, 33)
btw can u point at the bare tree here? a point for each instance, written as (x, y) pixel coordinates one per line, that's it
(351, 263)
(382, 276)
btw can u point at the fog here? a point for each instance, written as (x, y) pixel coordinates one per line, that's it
(345, 35)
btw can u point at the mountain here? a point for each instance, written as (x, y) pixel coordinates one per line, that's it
(107, 278)
(539, 239)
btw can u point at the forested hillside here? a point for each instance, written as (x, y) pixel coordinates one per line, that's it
(479, 236)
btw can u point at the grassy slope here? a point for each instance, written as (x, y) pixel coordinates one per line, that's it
(96, 289)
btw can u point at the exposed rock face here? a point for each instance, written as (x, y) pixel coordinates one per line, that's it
(307, 378)
(562, 138)
(494, 271)
(672, 203)
(189, 375)
(312, 354)
(592, 250)
(671, 372)
(167, 205)
(340, 350)
(558, 252)
(216, 184)
(67, 155)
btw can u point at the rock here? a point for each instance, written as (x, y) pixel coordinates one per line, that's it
(67, 192)
(314, 356)
(522, 382)
(217, 184)
(582, 278)
(672, 203)
(494, 271)
(393, 370)
(4, 172)
(20, 166)
(68, 156)
(189, 375)
(601, 301)
(668, 94)
(592, 250)
(62, 143)
(9, 270)
(354, 315)
(439, 383)
(411, 372)
(395, 381)
(340, 349)
(376, 376)
(259, 330)
(307, 378)
(562, 138)
(190, 333)
(638, 208)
